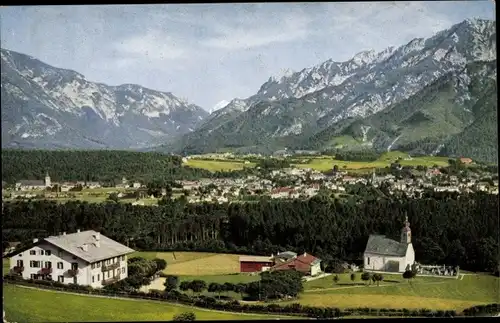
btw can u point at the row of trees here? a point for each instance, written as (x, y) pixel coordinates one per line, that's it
(272, 285)
(328, 228)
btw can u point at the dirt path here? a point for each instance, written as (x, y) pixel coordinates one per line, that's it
(147, 300)
(364, 286)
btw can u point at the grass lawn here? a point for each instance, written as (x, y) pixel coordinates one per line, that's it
(325, 163)
(431, 293)
(217, 165)
(221, 279)
(29, 305)
(196, 263)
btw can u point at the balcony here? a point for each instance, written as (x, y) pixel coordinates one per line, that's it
(45, 271)
(111, 280)
(72, 272)
(18, 269)
(110, 267)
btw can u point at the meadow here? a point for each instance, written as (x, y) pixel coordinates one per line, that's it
(394, 292)
(33, 305)
(323, 163)
(218, 165)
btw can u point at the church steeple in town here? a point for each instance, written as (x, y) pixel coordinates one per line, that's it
(406, 232)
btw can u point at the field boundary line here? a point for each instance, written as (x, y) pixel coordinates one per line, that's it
(365, 286)
(151, 300)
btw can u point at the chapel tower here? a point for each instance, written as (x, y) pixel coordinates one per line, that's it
(47, 180)
(406, 232)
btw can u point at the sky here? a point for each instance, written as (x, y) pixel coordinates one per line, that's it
(207, 53)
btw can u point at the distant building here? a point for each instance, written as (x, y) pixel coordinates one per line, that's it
(384, 254)
(84, 258)
(28, 185)
(465, 160)
(305, 263)
(249, 264)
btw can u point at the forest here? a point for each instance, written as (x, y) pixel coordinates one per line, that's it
(93, 165)
(446, 228)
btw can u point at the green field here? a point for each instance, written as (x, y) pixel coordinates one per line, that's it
(395, 292)
(218, 165)
(32, 305)
(196, 263)
(326, 163)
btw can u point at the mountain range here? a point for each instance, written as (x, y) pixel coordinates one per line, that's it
(429, 96)
(49, 107)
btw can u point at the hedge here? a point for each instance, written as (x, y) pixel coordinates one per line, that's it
(294, 309)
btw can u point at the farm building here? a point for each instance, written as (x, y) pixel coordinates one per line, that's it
(305, 263)
(384, 254)
(250, 264)
(465, 160)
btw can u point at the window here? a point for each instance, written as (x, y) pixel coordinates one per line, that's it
(108, 262)
(123, 270)
(123, 258)
(109, 275)
(74, 257)
(98, 276)
(59, 253)
(32, 252)
(33, 276)
(48, 264)
(20, 263)
(368, 260)
(60, 265)
(92, 266)
(60, 279)
(20, 255)
(98, 265)
(93, 279)
(41, 252)
(48, 252)
(75, 280)
(34, 264)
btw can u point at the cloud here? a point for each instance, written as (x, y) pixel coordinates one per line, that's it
(152, 45)
(259, 33)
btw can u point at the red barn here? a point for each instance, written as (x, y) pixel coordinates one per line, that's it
(250, 264)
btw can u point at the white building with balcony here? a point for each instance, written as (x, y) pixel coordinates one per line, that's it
(83, 258)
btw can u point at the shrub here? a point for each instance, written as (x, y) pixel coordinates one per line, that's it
(186, 316)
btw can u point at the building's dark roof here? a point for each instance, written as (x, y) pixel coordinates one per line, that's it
(31, 183)
(379, 244)
(287, 254)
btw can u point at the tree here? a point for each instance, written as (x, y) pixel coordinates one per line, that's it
(197, 286)
(336, 279)
(353, 277)
(365, 276)
(161, 264)
(171, 283)
(113, 197)
(186, 316)
(185, 286)
(240, 289)
(228, 287)
(215, 288)
(378, 278)
(335, 168)
(409, 274)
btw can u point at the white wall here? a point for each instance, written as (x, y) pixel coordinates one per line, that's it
(85, 271)
(56, 256)
(315, 269)
(410, 256)
(378, 262)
